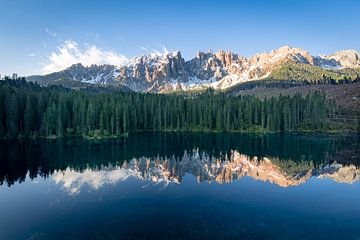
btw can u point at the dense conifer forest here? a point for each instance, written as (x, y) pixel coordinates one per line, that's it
(28, 110)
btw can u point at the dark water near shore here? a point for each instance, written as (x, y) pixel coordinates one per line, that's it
(181, 186)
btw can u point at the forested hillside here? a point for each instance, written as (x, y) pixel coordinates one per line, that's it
(314, 74)
(28, 110)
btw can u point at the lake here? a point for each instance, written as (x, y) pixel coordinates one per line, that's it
(181, 186)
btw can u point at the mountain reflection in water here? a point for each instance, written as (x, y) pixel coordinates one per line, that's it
(205, 169)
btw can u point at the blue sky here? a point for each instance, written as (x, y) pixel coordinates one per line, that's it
(38, 36)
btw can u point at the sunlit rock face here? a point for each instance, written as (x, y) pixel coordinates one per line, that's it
(205, 169)
(345, 58)
(263, 170)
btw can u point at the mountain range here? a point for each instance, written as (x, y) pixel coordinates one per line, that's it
(169, 72)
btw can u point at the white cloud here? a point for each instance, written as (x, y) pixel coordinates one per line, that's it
(31, 54)
(52, 34)
(69, 53)
(144, 48)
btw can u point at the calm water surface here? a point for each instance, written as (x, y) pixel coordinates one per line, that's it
(181, 186)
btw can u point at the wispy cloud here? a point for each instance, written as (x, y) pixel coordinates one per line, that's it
(69, 53)
(158, 50)
(163, 48)
(52, 34)
(43, 43)
(31, 54)
(91, 34)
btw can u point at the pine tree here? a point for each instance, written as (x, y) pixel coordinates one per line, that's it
(29, 116)
(12, 115)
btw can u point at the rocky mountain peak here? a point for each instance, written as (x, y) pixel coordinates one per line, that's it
(286, 49)
(347, 58)
(149, 71)
(76, 65)
(285, 53)
(226, 57)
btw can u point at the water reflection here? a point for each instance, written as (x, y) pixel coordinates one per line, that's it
(206, 168)
(285, 160)
(73, 180)
(145, 187)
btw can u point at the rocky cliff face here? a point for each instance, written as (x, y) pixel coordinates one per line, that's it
(150, 72)
(223, 69)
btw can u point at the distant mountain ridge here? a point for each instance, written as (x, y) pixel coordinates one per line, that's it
(99, 74)
(170, 72)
